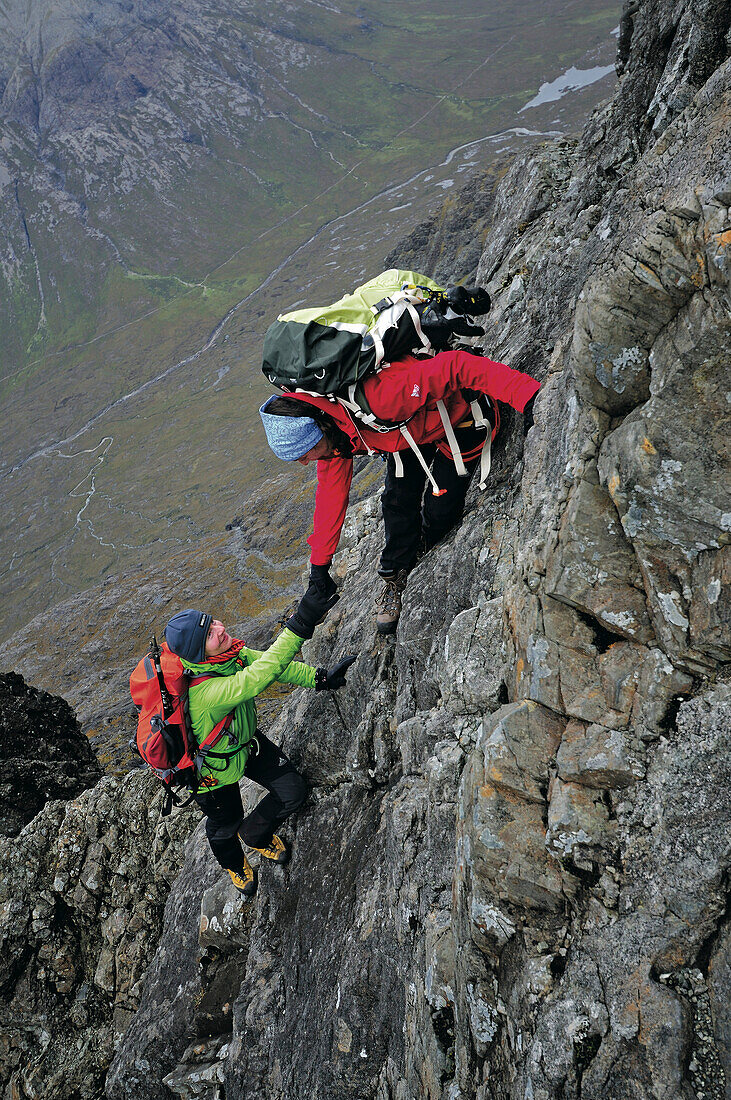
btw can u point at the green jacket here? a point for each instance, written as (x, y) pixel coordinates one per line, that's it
(234, 686)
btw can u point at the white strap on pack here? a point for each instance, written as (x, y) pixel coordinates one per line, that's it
(481, 421)
(353, 407)
(436, 491)
(452, 439)
(378, 343)
(398, 463)
(416, 321)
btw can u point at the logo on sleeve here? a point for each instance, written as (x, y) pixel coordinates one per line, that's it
(416, 392)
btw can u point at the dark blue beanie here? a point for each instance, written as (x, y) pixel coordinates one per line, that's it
(186, 635)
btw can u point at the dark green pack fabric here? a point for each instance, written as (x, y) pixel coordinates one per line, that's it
(328, 349)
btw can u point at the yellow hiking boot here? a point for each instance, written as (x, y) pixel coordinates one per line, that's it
(245, 880)
(276, 850)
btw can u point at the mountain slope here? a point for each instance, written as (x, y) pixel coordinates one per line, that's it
(171, 177)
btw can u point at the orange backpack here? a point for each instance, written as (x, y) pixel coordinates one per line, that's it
(159, 687)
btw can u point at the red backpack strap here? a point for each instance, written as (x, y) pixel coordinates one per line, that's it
(205, 752)
(205, 747)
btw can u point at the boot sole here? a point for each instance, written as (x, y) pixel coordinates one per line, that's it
(387, 628)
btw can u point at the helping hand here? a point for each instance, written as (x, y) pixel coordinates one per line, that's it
(311, 610)
(321, 579)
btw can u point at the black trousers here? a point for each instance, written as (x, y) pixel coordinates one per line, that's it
(224, 811)
(405, 518)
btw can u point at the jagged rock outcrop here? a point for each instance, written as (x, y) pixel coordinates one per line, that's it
(82, 893)
(43, 752)
(511, 878)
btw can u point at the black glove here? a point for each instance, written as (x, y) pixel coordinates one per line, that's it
(334, 678)
(469, 299)
(461, 327)
(311, 610)
(528, 414)
(322, 581)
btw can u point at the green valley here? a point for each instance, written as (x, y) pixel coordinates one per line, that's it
(171, 179)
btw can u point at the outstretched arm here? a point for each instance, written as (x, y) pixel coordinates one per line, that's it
(221, 694)
(296, 672)
(334, 477)
(409, 384)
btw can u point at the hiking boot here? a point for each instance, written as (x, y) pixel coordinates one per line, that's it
(388, 607)
(276, 850)
(244, 880)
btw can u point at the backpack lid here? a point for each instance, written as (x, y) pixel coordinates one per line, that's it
(143, 684)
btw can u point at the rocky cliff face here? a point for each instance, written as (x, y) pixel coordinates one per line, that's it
(44, 754)
(511, 878)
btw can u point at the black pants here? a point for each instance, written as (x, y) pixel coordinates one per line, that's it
(224, 811)
(404, 518)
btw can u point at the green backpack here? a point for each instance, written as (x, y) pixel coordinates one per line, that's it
(328, 350)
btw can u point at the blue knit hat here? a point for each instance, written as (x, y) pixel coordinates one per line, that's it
(289, 437)
(186, 635)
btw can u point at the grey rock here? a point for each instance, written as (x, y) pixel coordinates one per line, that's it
(469, 669)
(578, 828)
(595, 570)
(501, 834)
(676, 511)
(597, 757)
(719, 977)
(82, 890)
(158, 1034)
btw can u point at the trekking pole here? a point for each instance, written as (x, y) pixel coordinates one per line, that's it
(167, 706)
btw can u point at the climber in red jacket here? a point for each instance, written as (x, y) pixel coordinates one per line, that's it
(445, 414)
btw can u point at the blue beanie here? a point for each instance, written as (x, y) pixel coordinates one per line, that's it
(289, 437)
(186, 635)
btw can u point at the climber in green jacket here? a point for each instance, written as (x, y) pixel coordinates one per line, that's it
(226, 678)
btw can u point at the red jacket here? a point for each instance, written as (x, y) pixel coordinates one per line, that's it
(409, 388)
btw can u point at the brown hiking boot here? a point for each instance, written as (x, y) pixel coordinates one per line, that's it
(388, 607)
(244, 880)
(276, 850)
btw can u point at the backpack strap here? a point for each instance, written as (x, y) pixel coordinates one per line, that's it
(416, 321)
(482, 421)
(436, 491)
(391, 308)
(452, 438)
(205, 748)
(358, 406)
